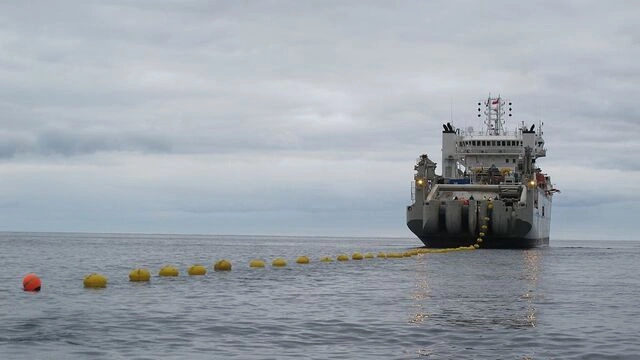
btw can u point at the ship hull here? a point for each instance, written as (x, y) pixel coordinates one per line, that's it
(487, 243)
(489, 224)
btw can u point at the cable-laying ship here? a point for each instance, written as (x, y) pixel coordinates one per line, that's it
(491, 194)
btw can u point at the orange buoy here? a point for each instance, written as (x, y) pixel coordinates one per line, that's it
(31, 282)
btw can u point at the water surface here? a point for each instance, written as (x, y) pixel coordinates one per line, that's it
(573, 300)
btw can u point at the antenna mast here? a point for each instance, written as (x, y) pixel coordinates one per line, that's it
(494, 111)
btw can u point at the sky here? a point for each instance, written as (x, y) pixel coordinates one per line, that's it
(302, 117)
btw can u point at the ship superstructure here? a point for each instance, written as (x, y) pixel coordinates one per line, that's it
(490, 193)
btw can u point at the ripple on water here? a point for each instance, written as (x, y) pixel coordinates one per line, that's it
(532, 304)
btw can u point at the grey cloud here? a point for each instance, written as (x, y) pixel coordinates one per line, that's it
(315, 80)
(67, 143)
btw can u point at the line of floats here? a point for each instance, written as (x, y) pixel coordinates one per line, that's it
(31, 282)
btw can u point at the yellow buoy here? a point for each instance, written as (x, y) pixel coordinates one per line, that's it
(326, 259)
(394, 255)
(479, 240)
(476, 246)
(279, 262)
(222, 265)
(490, 206)
(423, 251)
(302, 260)
(406, 254)
(357, 256)
(256, 263)
(413, 252)
(368, 256)
(481, 234)
(197, 270)
(486, 218)
(139, 275)
(169, 271)
(484, 227)
(342, 257)
(382, 255)
(95, 281)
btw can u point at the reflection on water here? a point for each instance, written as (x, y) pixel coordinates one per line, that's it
(480, 289)
(420, 293)
(531, 272)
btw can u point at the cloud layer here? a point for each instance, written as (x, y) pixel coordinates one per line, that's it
(285, 117)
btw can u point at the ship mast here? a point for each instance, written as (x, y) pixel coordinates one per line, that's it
(494, 111)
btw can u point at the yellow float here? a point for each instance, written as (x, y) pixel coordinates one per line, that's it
(169, 271)
(302, 260)
(95, 281)
(256, 263)
(197, 270)
(139, 275)
(342, 257)
(222, 265)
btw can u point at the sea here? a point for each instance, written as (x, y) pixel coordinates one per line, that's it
(571, 300)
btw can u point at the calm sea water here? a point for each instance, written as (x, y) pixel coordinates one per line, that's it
(573, 300)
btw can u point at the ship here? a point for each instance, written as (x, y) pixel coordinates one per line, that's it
(491, 193)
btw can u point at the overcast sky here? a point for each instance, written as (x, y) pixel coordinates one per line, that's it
(302, 117)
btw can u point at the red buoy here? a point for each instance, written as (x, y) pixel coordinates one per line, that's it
(31, 282)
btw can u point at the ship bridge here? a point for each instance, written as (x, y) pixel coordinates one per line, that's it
(466, 153)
